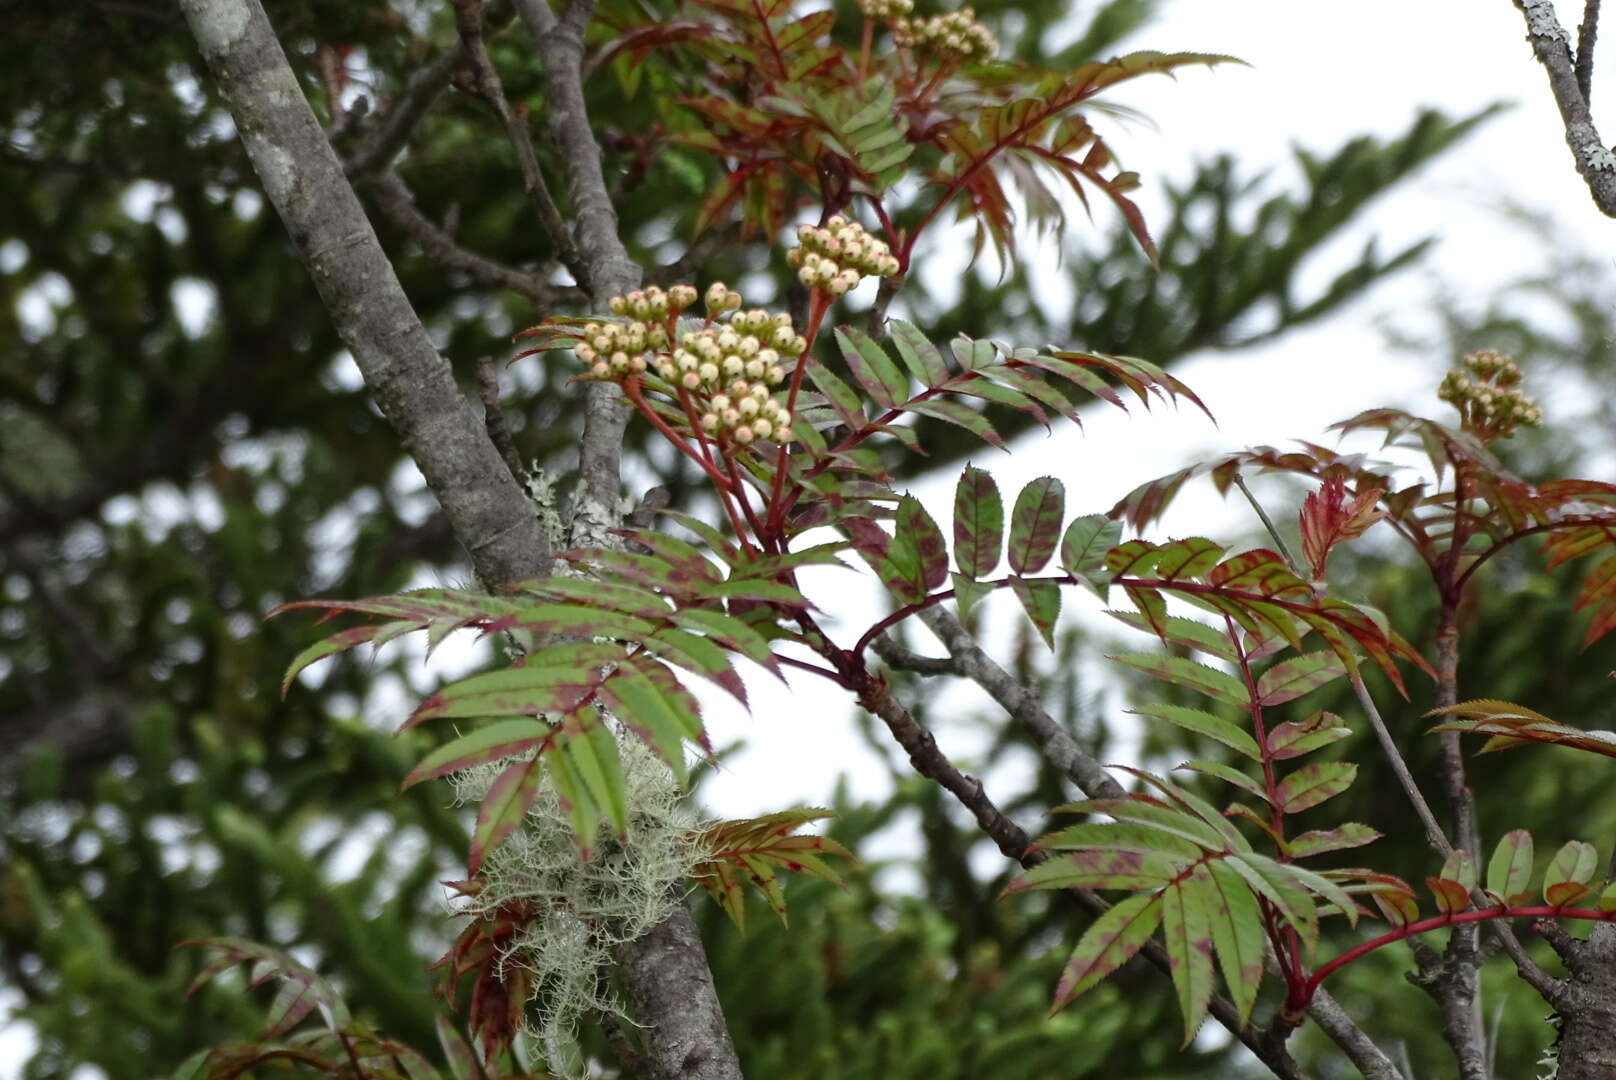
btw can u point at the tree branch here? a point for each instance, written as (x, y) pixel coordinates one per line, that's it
(1587, 34)
(1552, 46)
(412, 384)
(395, 202)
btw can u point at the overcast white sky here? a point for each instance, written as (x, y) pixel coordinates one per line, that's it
(1320, 74)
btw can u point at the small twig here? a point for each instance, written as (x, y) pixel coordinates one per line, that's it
(1552, 47)
(1587, 34)
(902, 659)
(395, 202)
(1434, 835)
(1262, 515)
(485, 83)
(494, 420)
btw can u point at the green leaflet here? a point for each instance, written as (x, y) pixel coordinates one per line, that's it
(1109, 943)
(1237, 934)
(1509, 871)
(1187, 936)
(978, 523)
(752, 849)
(874, 370)
(1314, 783)
(915, 528)
(1099, 869)
(1290, 679)
(1041, 601)
(1204, 723)
(502, 739)
(1217, 685)
(552, 680)
(919, 355)
(1035, 524)
(502, 809)
(1087, 540)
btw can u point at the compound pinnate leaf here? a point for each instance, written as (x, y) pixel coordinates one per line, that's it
(961, 415)
(978, 523)
(752, 849)
(1035, 524)
(1509, 871)
(1110, 942)
(552, 680)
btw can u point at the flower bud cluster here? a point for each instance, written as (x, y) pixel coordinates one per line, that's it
(836, 257)
(885, 10)
(726, 370)
(1487, 393)
(955, 36)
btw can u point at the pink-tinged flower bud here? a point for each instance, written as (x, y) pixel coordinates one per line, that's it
(584, 353)
(742, 434)
(709, 421)
(601, 370)
(836, 286)
(759, 393)
(748, 406)
(836, 221)
(602, 343)
(618, 305)
(637, 365)
(734, 367)
(762, 428)
(809, 276)
(749, 345)
(690, 380)
(782, 420)
(620, 360)
(731, 417)
(716, 292)
(804, 232)
(755, 369)
(739, 388)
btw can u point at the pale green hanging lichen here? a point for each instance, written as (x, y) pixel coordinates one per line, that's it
(586, 908)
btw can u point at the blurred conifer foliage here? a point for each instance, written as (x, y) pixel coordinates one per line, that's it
(183, 447)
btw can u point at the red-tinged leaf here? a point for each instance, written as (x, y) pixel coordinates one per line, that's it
(1290, 679)
(1153, 814)
(1313, 784)
(1460, 866)
(1509, 871)
(341, 641)
(839, 395)
(1099, 869)
(1119, 836)
(932, 550)
(1295, 738)
(502, 739)
(1218, 685)
(1228, 774)
(921, 357)
(1566, 893)
(1515, 725)
(661, 720)
(1187, 935)
(1573, 864)
(874, 370)
(752, 848)
(1087, 540)
(1063, 366)
(960, 415)
(592, 759)
(1152, 608)
(1340, 838)
(1204, 723)
(593, 592)
(1450, 896)
(1397, 907)
(978, 523)
(699, 655)
(1109, 943)
(1135, 558)
(1195, 805)
(731, 633)
(1261, 571)
(987, 390)
(1041, 601)
(973, 354)
(1329, 517)
(552, 680)
(502, 809)
(1237, 934)
(1035, 388)
(1186, 559)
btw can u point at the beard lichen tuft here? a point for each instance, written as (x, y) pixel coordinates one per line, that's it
(583, 909)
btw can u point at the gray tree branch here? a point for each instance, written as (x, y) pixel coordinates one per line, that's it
(412, 384)
(1552, 46)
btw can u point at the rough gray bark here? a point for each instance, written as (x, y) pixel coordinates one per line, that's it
(667, 971)
(1587, 1006)
(412, 384)
(1568, 77)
